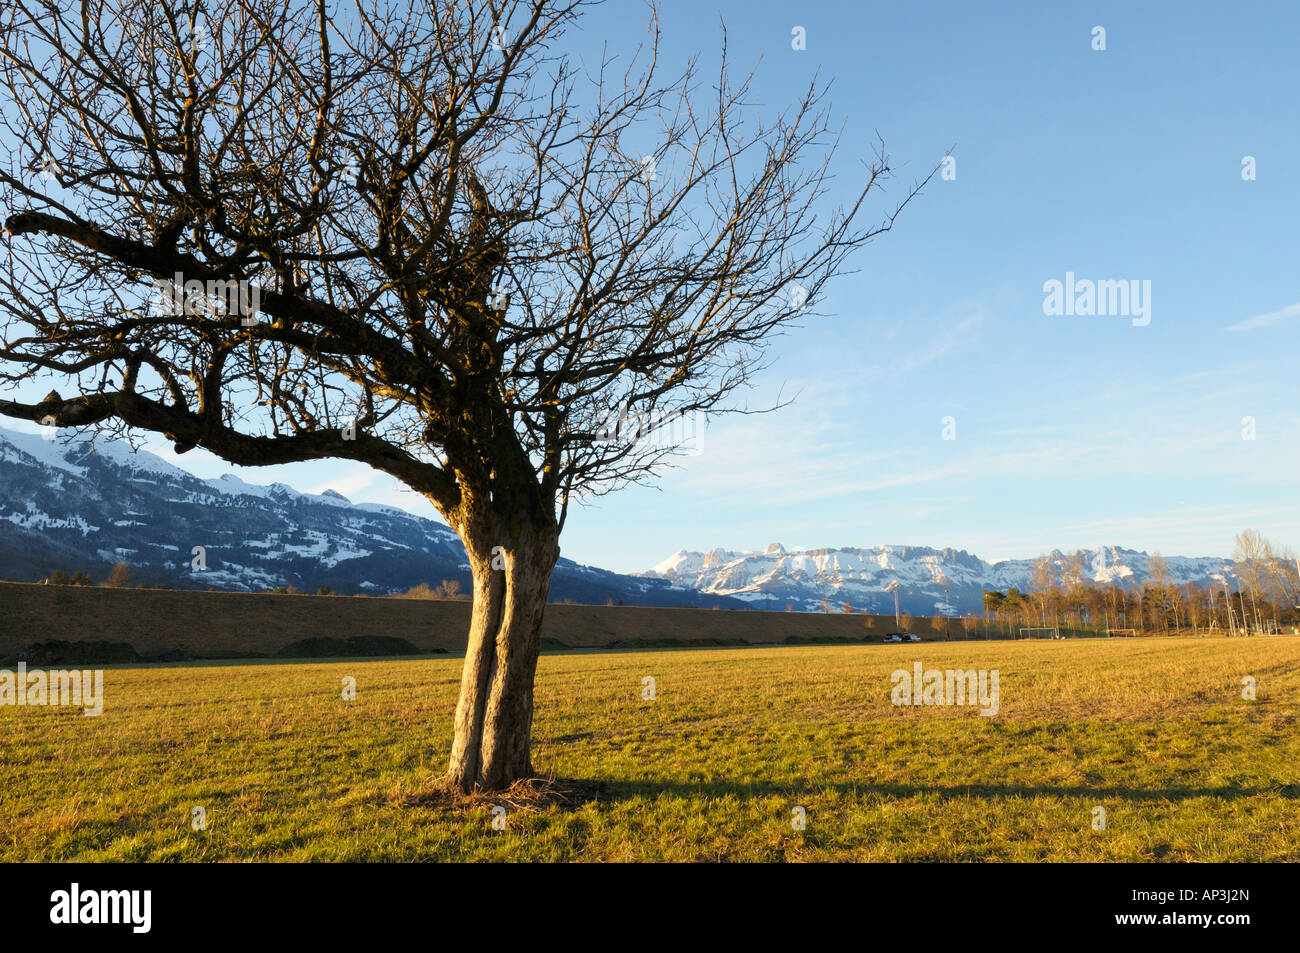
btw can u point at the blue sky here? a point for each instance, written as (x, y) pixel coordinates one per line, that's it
(1071, 431)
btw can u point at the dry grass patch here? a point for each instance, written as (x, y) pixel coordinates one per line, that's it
(1155, 731)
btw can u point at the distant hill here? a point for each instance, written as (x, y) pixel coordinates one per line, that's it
(70, 506)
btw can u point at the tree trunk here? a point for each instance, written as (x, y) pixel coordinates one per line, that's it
(494, 716)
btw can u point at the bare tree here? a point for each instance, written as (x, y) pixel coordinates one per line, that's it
(1194, 597)
(1284, 574)
(1251, 553)
(420, 238)
(1115, 602)
(1074, 572)
(1043, 574)
(450, 589)
(119, 577)
(1158, 588)
(1074, 578)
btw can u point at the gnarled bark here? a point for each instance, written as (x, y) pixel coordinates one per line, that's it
(495, 711)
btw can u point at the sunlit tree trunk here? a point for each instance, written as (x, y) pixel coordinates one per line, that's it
(494, 715)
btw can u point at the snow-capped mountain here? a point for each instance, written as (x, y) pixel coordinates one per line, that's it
(78, 505)
(86, 506)
(929, 581)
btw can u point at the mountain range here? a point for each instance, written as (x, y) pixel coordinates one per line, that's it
(85, 505)
(929, 581)
(82, 505)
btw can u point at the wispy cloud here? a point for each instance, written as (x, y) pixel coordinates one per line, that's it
(1219, 523)
(1267, 320)
(943, 344)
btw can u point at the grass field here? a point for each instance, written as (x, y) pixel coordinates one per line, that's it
(1156, 732)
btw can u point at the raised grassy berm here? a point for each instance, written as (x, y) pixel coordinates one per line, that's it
(233, 624)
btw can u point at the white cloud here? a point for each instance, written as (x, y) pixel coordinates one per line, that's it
(943, 344)
(1267, 320)
(1183, 531)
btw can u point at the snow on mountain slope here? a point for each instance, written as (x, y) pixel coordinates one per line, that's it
(32, 448)
(78, 505)
(70, 505)
(864, 578)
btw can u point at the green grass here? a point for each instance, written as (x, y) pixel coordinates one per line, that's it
(1154, 731)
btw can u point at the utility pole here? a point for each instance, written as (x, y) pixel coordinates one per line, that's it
(947, 618)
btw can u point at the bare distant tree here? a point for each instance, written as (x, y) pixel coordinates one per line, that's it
(1115, 604)
(1075, 571)
(1043, 576)
(450, 589)
(447, 589)
(1074, 579)
(1268, 572)
(1197, 601)
(419, 237)
(1284, 572)
(1252, 554)
(119, 577)
(1157, 589)
(1157, 571)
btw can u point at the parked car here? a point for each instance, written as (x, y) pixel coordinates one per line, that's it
(909, 637)
(893, 637)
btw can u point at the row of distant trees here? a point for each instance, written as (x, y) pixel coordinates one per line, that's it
(447, 589)
(1264, 596)
(119, 577)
